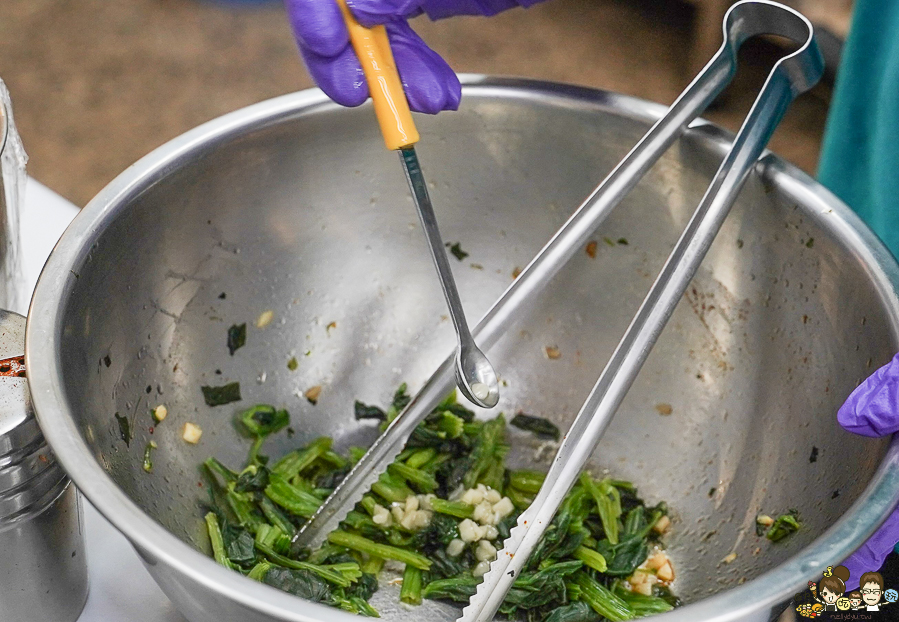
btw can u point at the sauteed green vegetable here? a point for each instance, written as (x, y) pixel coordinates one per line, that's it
(437, 516)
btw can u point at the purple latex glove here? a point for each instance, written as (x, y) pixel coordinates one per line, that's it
(430, 84)
(873, 410)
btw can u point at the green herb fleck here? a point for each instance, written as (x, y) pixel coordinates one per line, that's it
(810, 243)
(237, 337)
(148, 459)
(783, 526)
(124, 429)
(292, 364)
(456, 250)
(622, 241)
(218, 396)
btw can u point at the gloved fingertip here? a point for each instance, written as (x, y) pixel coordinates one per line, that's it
(371, 13)
(340, 76)
(873, 407)
(431, 85)
(317, 26)
(871, 555)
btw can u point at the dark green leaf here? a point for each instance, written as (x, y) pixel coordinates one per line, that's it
(237, 337)
(456, 250)
(218, 396)
(240, 549)
(253, 478)
(459, 589)
(363, 411)
(401, 398)
(292, 364)
(440, 531)
(364, 587)
(300, 583)
(443, 566)
(264, 419)
(124, 429)
(540, 427)
(573, 612)
(624, 557)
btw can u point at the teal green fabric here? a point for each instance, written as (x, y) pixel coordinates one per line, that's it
(860, 156)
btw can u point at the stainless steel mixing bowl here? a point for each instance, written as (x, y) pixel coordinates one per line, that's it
(294, 206)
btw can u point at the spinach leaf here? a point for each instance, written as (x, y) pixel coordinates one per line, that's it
(783, 526)
(240, 549)
(624, 557)
(253, 478)
(225, 394)
(540, 427)
(363, 411)
(401, 398)
(573, 612)
(124, 429)
(364, 587)
(237, 337)
(263, 419)
(460, 588)
(300, 583)
(456, 250)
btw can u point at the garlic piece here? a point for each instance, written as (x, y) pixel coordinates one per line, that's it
(265, 318)
(503, 507)
(455, 547)
(160, 413)
(472, 496)
(483, 512)
(485, 551)
(662, 525)
(398, 513)
(380, 516)
(481, 569)
(666, 572)
(411, 504)
(191, 433)
(469, 530)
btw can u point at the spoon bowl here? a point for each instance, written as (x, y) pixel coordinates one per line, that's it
(476, 377)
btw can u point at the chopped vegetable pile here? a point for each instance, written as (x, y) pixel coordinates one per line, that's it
(441, 511)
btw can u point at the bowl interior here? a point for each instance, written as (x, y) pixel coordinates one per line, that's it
(306, 215)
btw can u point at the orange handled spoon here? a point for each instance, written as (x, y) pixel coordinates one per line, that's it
(475, 376)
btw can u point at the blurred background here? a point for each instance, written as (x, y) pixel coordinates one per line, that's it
(98, 84)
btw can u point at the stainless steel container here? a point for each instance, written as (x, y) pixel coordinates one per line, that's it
(12, 187)
(293, 206)
(43, 570)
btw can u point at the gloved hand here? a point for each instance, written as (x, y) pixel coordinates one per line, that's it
(873, 410)
(430, 84)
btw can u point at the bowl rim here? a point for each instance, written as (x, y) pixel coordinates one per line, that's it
(155, 544)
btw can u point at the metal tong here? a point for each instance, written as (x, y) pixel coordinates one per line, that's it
(792, 75)
(796, 73)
